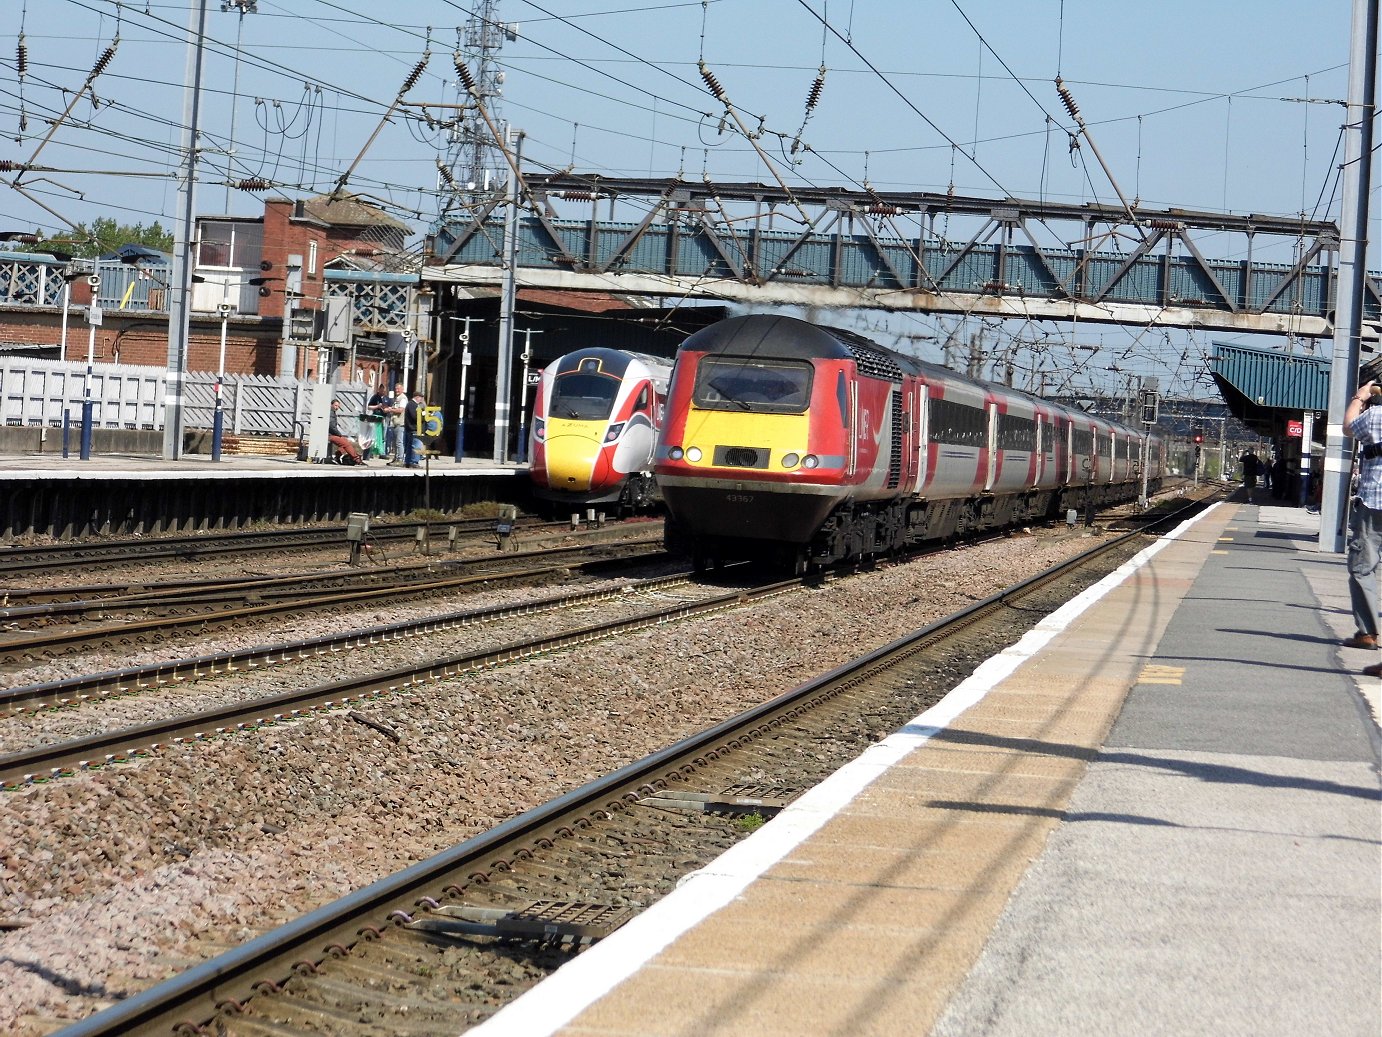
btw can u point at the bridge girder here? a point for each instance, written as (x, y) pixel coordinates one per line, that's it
(994, 305)
(845, 248)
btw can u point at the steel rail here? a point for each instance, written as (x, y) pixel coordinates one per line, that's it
(21, 649)
(64, 759)
(74, 691)
(15, 560)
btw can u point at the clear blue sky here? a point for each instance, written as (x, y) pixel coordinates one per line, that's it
(1193, 105)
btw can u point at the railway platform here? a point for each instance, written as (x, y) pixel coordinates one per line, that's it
(1156, 814)
(136, 494)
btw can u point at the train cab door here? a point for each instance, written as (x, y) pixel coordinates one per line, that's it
(853, 428)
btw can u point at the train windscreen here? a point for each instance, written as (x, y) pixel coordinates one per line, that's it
(583, 397)
(727, 383)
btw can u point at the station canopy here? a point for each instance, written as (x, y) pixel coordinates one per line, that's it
(1264, 388)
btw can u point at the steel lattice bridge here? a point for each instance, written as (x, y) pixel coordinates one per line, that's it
(925, 252)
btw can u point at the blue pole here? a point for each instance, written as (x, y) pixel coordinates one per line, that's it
(217, 425)
(91, 317)
(523, 443)
(86, 430)
(460, 433)
(66, 428)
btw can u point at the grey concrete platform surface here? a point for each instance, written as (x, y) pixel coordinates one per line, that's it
(1158, 814)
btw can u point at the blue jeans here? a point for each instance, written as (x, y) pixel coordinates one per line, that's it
(1364, 544)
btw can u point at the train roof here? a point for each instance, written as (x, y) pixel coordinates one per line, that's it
(616, 362)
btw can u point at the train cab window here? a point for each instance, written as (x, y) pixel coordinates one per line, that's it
(644, 402)
(583, 397)
(732, 383)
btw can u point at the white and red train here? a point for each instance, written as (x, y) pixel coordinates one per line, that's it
(807, 445)
(596, 418)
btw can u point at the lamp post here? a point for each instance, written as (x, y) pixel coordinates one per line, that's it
(463, 339)
(528, 334)
(224, 310)
(218, 418)
(93, 318)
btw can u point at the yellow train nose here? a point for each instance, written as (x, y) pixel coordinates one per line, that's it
(571, 462)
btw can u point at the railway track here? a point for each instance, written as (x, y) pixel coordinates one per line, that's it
(435, 948)
(64, 759)
(197, 609)
(15, 561)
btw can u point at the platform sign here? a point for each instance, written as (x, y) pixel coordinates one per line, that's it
(1294, 429)
(429, 421)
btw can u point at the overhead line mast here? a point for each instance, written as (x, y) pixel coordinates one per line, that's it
(475, 166)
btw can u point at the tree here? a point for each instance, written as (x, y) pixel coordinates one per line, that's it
(105, 236)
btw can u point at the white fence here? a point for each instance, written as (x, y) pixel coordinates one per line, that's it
(41, 392)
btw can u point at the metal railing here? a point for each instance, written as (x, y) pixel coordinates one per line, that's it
(40, 393)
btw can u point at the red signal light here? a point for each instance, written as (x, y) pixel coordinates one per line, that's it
(1199, 438)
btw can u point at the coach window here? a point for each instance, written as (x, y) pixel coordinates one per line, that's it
(957, 423)
(1016, 433)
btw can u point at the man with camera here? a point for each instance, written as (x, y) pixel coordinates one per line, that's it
(1363, 421)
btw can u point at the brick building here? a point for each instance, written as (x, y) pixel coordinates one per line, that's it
(290, 249)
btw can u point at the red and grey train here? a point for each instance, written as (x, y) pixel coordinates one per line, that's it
(807, 445)
(596, 417)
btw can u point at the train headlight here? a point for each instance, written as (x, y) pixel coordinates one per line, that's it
(614, 432)
(540, 429)
(811, 461)
(790, 460)
(693, 453)
(676, 453)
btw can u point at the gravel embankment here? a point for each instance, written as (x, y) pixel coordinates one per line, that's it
(121, 878)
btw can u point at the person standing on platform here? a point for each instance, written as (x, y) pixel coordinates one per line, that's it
(1363, 421)
(398, 433)
(410, 415)
(374, 421)
(1250, 463)
(1281, 491)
